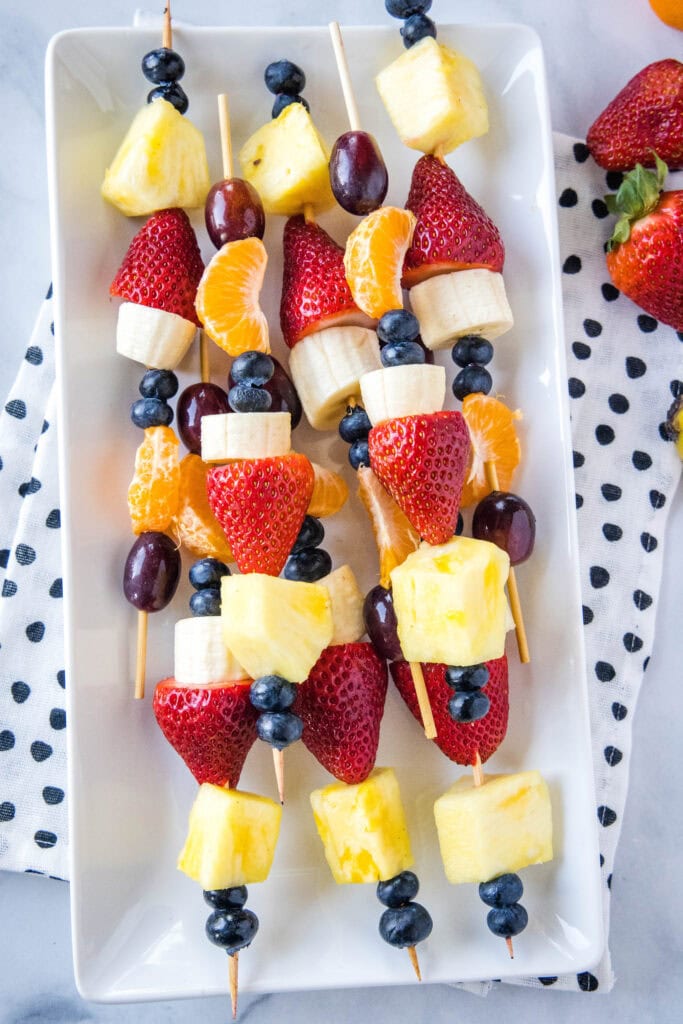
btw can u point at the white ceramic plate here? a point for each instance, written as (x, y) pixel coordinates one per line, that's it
(138, 924)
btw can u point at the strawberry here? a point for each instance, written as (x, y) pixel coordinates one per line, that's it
(341, 704)
(452, 232)
(459, 741)
(261, 504)
(645, 253)
(163, 266)
(315, 293)
(421, 462)
(646, 115)
(212, 727)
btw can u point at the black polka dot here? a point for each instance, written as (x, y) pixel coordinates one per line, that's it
(24, 554)
(58, 718)
(611, 492)
(20, 691)
(613, 756)
(578, 499)
(6, 739)
(576, 387)
(34, 355)
(56, 588)
(609, 881)
(49, 292)
(676, 388)
(587, 615)
(648, 541)
(9, 588)
(606, 816)
(604, 434)
(641, 460)
(619, 711)
(646, 663)
(45, 426)
(618, 403)
(679, 335)
(568, 197)
(614, 179)
(587, 981)
(602, 861)
(52, 327)
(61, 678)
(581, 152)
(7, 811)
(53, 795)
(581, 350)
(641, 600)
(647, 324)
(548, 980)
(40, 751)
(599, 209)
(572, 265)
(635, 367)
(16, 408)
(579, 459)
(1, 463)
(609, 292)
(35, 631)
(54, 519)
(604, 671)
(599, 577)
(29, 487)
(4, 558)
(632, 643)
(44, 839)
(592, 328)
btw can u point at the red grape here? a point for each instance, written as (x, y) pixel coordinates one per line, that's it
(151, 572)
(380, 623)
(196, 401)
(233, 210)
(358, 174)
(508, 522)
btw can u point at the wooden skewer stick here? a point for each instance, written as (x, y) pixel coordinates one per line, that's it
(344, 76)
(204, 367)
(423, 700)
(309, 213)
(233, 967)
(279, 764)
(167, 35)
(513, 592)
(226, 142)
(478, 771)
(141, 656)
(508, 943)
(412, 953)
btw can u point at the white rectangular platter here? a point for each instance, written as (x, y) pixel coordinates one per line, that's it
(138, 924)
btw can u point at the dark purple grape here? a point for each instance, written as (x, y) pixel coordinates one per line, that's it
(358, 174)
(507, 521)
(282, 392)
(381, 624)
(196, 401)
(233, 210)
(151, 572)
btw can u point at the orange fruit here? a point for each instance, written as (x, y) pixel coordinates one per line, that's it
(669, 11)
(153, 491)
(493, 438)
(329, 492)
(373, 260)
(194, 525)
(227, 300)
(394, 536)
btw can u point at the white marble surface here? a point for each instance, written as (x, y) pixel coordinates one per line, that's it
(591, 49)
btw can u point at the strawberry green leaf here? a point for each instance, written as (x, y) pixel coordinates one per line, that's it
(636, 197)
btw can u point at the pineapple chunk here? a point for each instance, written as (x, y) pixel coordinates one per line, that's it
(287, 163)
(160, 163)
(363, 828)
(274, 625)
(231, 839)
(347, 605)
(434, 97)
(450, 602)
(503, 825)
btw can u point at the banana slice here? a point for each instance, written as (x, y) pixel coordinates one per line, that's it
(449, 306)
(326, 368)
(347, 605)
(153, 337)
(201, 655)
(397, 391)
(246, 435)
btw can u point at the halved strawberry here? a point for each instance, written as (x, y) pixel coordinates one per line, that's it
(453, 232)
(457, 740)
(212, 727)
(341, 704)
(163, 266)
(261, 504)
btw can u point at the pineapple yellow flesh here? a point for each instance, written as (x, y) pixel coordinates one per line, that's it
(287, 163)
(231, 839)
(434, 96)
(274, 625)
(347, 605)
(160, 163)
(363, 828)
(450, 602)
(503, 825)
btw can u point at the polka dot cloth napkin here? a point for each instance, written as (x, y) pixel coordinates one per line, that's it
(622, 374)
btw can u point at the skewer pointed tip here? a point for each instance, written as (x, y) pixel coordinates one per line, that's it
(412, 953)
(477, 770)
(508, 943)
(233, 966)
(279, 765)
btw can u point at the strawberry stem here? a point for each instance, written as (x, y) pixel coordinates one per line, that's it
(636, 197)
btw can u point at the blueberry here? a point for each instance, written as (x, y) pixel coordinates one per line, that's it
(282, 101)
(405, 926)
(468, 707)
(311, 534)
(402, 353)
(308, 565)
(405, 8)
(163, 65)
(460, 525)
(417, 27)
(502, 891)
(279, 728)
(232, 929)
(172, 93)
(272, 693)
(399, 890)
(507, 921)
(398, 325)
(472, 379)
(245, 398)
(207, 572)
(467, 678)
(472, 349)
(159, 384)
(254, 368)
(226, 899)
(355, 426)
(206, 602)
(359, 454)
(151, 412)
(285, 77)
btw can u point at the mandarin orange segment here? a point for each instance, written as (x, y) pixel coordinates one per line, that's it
(194, 525)
(329, 492)
(373, 260)
(153, 491)
(394, 536)
(493, 439)
(227, 300)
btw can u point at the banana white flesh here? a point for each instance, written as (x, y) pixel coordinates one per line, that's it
(347, 605)
(201, 655)
(396, 391)
(449, 306)
(327, 367)
(153, 337)
(246, 435)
